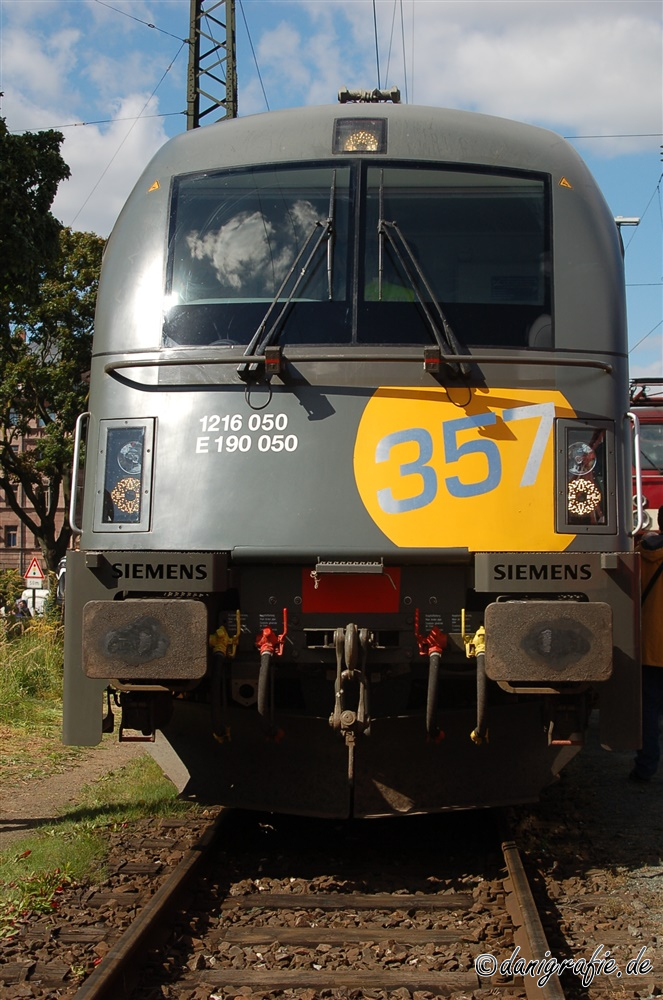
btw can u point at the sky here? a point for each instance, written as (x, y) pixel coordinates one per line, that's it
(111, 75)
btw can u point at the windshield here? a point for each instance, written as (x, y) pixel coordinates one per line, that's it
(651, 447)
(358, 253)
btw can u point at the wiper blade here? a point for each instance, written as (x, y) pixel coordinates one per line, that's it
(324, 229)
(651, 461)
(445, 337)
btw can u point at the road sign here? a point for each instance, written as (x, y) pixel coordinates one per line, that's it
(34, 572)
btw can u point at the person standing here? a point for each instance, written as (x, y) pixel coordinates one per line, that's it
(651, 563)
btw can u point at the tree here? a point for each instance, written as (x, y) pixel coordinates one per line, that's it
(44, 386)
(48, 284)
(31, 168)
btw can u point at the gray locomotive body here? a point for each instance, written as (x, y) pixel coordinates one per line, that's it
(356, 509)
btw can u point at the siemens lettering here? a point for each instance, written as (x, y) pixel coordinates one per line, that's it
(159, 571)
(543, 571)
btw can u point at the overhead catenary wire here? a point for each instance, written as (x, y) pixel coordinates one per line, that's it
(253, 52)
(133, 125)
(642, 339)
(657, 191)
(396, 4)
(404, 59)
(408, 72)
(184, 42)
(658, 284)
(148, 24)
(377, 47)
(391, 40)
(102, 121)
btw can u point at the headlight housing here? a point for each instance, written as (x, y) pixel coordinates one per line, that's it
(585, 492)
(124, 475)
(360, 135)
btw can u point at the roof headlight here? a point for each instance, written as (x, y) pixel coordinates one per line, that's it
(360, 135)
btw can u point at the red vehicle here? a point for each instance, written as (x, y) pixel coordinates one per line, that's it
(647, 403)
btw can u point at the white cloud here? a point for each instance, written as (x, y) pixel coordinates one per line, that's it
(65, 64)
(647, 361)
(584, 78)
(585, 66)
(38, 66)
(105, 165)
(577, 66)
(249, 254)
(282, 47)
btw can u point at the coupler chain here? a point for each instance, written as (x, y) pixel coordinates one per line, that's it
(350, 716)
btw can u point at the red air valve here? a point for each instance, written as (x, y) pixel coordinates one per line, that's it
(269, 642)
(434, 642)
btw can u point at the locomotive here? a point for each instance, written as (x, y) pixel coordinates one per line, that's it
(355, 508)
(647, 403)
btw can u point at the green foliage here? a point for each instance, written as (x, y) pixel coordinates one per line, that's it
(31, 705)
(11, 587)
(31, 168)
(36, 871)
(30, 668)
(48, 286)
(75, 846)
(36, 893)
(44, 365)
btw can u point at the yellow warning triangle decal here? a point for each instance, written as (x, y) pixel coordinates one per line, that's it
(155, 187)
(566, 184)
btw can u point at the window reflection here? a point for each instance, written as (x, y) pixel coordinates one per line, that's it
(475, 243)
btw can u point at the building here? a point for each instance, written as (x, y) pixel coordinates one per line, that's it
(18, 545)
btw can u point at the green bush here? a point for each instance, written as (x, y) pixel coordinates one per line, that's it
(30, 667)
(11, 588)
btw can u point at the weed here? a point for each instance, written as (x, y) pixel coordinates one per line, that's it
(31, 703)
(74, 847)
(34, 871)
(30, 668)
(31, 894)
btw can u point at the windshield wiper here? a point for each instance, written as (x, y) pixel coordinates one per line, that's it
(445, 337)
(324, 230)
(651, 461)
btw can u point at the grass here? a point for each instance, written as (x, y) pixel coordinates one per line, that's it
(35, 870)
(31, 704)
(30, 668)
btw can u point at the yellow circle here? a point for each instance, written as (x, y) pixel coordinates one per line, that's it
(461, 468)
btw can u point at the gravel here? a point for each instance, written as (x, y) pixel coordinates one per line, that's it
(594, 848)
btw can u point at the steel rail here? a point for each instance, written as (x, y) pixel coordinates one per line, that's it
(529, 932)
(113, 978)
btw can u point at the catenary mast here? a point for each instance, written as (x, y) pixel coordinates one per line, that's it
(212, 76)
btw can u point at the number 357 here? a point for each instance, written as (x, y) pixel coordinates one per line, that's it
(424, 478)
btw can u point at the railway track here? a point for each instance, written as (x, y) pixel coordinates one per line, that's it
(305, 909)
(48, 954)
(304, 940)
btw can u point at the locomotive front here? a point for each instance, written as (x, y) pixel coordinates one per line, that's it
(356, 505)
